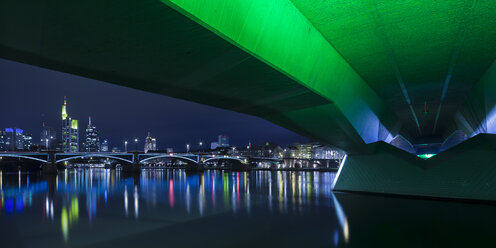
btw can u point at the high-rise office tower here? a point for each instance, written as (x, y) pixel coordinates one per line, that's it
(14, 140)
(48, 137)
(223, 141)
(92, 142)
(70, 131)
(27, 141)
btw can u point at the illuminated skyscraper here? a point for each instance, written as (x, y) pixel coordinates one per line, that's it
(92, 142)
(27, 141)
(150, 143)
(223, 141)
(104, 146)
(48, 137)
(70, 131)
(14, 139)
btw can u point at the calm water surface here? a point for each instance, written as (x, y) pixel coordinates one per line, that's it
(172, 208)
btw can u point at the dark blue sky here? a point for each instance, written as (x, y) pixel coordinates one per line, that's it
(28, 92)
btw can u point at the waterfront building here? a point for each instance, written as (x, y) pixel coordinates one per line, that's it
(326, 152)
(305, 150)
(70, 131)
(48, 137)
(104, 147)
(150, 143)
(92, 141)
(291, 152)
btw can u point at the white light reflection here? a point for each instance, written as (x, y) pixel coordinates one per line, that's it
(270, 193)
(200, 202)
(136, 202)
(188, 199)
(126, 209)
(293, 189)
(51, 210)
(248, 200)
(47, 206)
(343, 222)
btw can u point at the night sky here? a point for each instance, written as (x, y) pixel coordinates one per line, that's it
(29, 95)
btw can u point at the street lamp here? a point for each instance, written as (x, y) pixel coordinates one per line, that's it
(187, 148)
(125, 146)
(136, 142)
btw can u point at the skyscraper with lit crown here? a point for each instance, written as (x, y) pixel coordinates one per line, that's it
(70, 131)
(150, 143)
(92, 142)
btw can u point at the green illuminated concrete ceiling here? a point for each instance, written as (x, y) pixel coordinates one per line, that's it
(330, 70)
(422, 40)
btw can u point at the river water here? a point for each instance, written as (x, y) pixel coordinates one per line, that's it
(173, 208)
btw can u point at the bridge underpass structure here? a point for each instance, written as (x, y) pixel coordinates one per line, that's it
(382, 80)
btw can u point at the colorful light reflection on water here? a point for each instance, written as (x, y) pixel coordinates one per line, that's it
(82, 196)
(107, 208)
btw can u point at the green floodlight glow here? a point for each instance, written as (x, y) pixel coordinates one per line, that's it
(74, 124)
(426, 156)
(277, 33)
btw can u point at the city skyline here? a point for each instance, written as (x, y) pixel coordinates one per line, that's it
(174, 127)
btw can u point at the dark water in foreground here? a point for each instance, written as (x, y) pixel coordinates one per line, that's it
(171, 208)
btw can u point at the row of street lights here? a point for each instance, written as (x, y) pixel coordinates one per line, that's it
(135, 142)
(199, 143)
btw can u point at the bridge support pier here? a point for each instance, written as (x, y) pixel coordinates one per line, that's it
(238, 166)
(50, 169)
(134, 167)
(194, 167)
(465, 171)
(131, 168)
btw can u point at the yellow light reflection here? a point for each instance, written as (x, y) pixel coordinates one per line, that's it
(64, 219)
(74, 209)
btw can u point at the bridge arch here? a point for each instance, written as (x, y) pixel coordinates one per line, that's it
(168, 156)
(93, 155)
(224, 158)
(23, 156)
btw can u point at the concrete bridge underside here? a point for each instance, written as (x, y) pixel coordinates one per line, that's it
(346, 73)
